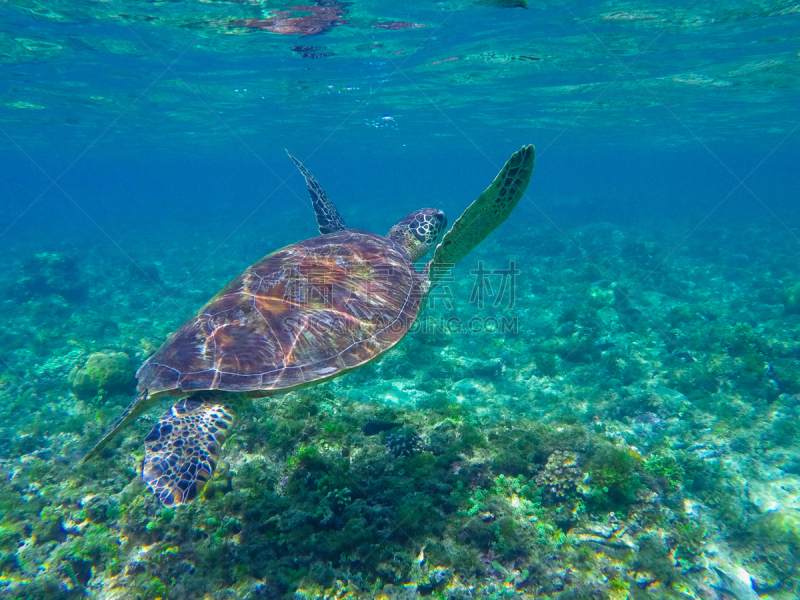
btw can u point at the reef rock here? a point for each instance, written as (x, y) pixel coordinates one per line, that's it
(791, 299)
(49, 273)
(102, 372)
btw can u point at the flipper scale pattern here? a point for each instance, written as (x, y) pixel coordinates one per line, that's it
(181, 451)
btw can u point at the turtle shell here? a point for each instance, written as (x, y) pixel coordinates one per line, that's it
(307, 312)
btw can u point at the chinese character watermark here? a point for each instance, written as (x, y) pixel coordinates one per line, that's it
(439, 291)
(366, 291)
(483, 285)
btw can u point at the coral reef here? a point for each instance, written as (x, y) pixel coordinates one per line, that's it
(560, 476)
(631, 439)
(49, 273)
(404, 442)
(103, 372)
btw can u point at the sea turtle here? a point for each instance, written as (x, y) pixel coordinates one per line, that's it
(302, 315)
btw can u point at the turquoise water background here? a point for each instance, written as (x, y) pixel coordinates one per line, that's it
(624, 102)
(634, 437)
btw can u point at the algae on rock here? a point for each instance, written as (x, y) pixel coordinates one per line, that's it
(103, 372)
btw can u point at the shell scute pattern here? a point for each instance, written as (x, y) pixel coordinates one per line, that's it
(301, 314)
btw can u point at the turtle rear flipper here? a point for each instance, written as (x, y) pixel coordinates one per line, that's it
(141, 403)
(483, 216)
(182, 449)
(328, 218)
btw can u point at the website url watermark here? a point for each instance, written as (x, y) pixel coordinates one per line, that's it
(474, 325)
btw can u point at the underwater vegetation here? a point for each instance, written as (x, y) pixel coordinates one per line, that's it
(321, 501)
(633, 438)
(103, 373)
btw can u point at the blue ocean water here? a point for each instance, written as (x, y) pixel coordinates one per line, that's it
(656, 311)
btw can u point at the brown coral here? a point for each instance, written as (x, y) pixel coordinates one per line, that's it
(560, 476)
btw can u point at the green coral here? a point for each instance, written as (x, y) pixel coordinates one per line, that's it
(103, 372)
(615, 475)
(667, 469)
(600, 295)
(791, 299)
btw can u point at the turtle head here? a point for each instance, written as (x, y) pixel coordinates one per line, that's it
(418, 232)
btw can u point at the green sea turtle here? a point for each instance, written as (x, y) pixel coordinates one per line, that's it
(302, 315)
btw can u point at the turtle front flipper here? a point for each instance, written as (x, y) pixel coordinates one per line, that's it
(483, 216)
(182, 449)
(328, 218)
